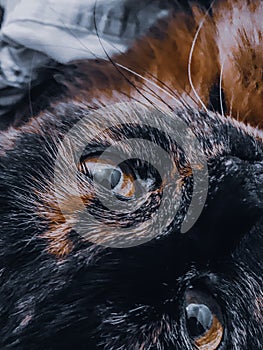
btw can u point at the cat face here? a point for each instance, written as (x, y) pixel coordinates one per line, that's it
(137, 226)
(71, 281)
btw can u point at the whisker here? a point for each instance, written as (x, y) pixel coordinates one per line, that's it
(155, 95)
(220, 88)
(191, 57)
(171, 95)
(115, 64)
(174, 92)
(107, 55)
(30, 85)
(152, 92)
(165, 89)
(231, 105)
(134, 99)
(176, 95)
(150, 82)
(73, 34)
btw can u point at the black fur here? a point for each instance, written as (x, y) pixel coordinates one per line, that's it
(134, 298)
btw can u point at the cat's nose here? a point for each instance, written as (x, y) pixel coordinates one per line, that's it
(234, 205)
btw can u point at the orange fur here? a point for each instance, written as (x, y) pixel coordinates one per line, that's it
(225, 43)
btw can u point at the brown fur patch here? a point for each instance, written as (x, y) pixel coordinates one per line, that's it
(59, 243)
(228, 43)
(239, 40)
(161, 57)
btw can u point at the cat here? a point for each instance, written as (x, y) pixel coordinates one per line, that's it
(90, 257)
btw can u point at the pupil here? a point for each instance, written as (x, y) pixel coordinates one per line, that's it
(115, 178)
(107, 177)
(199, 319)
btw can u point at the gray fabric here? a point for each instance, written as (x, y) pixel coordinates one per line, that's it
(39, 33)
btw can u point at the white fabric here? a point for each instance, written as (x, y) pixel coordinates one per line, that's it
(35, 33)
(62, 29)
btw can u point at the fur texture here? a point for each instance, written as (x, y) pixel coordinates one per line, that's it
(60, 291)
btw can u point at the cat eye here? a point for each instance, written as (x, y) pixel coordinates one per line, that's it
(203, 321)
(118, 179)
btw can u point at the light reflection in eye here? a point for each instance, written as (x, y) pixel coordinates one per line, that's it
(203, 321)
(107, 175)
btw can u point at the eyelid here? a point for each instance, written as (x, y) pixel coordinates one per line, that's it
(93, 161)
